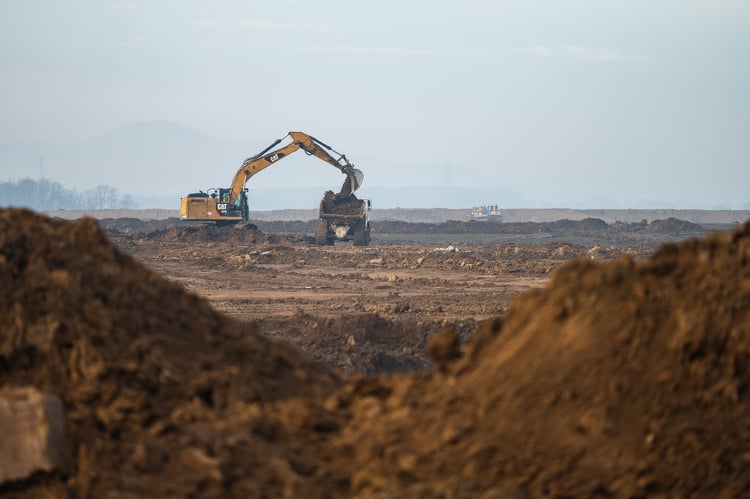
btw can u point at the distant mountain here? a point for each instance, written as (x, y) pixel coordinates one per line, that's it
(157, 162)
(143, 159)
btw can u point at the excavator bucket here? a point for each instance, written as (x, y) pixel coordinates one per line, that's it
(357, 177)
(353, 180)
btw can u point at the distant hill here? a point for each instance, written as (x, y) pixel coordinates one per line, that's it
(143, 159)
(158, 162)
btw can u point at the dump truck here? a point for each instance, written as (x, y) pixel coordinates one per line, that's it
(343, 218)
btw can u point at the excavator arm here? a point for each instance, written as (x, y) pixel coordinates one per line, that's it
(255, 164)
(229, 205)
(315, 147)
(307, 143)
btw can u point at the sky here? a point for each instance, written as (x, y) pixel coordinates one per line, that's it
(600, 103)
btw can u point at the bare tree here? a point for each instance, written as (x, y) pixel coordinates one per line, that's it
(44, 194)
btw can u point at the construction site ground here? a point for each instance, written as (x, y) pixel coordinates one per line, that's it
(372, 309)
(558, 359)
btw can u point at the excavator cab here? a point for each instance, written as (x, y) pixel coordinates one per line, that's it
(222, 201)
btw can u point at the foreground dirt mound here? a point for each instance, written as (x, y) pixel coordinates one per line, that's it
(621, 379)
(144, 368)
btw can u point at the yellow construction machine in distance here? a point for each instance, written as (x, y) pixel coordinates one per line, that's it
(230, 205)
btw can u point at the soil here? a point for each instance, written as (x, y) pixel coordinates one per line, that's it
(197, 361)
(340, 204)
(585, 232)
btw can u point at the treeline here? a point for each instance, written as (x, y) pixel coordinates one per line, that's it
(43, 194)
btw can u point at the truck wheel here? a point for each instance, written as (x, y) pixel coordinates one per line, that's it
(323, 237)
(244, 207)
(361, 235)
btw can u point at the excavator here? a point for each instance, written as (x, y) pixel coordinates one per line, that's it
(229, 205)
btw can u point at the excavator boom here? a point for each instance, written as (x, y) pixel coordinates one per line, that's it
(256, 164)
(313, 146)
(307, 143)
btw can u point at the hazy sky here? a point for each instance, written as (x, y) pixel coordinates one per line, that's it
(560, 101)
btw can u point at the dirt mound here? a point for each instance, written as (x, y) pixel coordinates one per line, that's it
(144, 368)
(624, 379)
(137, 226)
(239, 233)
(621, 379)
(586, 225)
(675, 226)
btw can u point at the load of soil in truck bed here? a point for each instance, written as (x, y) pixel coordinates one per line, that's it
(618, 379)
(334, 204)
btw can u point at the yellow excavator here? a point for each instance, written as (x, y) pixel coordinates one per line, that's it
(229, 205)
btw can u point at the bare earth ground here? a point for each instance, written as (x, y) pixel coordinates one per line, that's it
(616, 364)
(372, 309)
